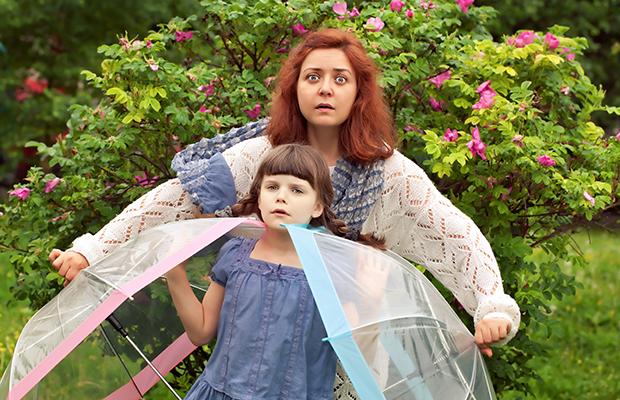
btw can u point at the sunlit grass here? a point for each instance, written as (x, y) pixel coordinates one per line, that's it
(583, 363)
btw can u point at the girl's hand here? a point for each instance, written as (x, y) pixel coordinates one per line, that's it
(67, 263)
(489, 331)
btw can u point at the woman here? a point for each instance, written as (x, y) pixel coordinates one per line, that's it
(328, 96)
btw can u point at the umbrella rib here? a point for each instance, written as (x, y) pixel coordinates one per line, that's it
(386, 320)
(107, 339)
(104, 280)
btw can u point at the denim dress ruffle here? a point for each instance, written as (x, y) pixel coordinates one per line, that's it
(269, 343)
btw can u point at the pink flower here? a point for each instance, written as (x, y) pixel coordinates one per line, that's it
(51, 184)
(125, 43)
(207, 90)
(438, 80)
(253, 113)
(618, 136)
(569, 56)
(409, 13)
(551, 41)
(546, 161)
(340, 8)
(149, 44)
(374, 24)
(181, 36)
(565, 90)
(21, 94)
(203, 109)
(396, 5)
(284, 47)
(354, 13)
(487, 96)
(476, 145)
(299, 29)
(427, 5)
(518, 140)
(436, 105)
(464, 4)
(450, 135)
(34, 85)
(144, 180)
(152, 65)
(511, 41)
(525, 38)
(21, 193)
(588, 197)
(409, 128)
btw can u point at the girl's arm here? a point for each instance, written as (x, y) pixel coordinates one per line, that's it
(199, 319)
(420, 224)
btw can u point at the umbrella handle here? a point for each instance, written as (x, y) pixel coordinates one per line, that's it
(120, 329)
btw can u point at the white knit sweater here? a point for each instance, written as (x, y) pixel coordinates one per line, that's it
(416, 221)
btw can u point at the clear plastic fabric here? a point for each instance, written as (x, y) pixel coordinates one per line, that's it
(68, 349)
(413, 343)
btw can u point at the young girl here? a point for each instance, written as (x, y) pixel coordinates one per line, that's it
(259, 303)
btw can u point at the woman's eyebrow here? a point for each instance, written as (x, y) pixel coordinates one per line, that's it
(333, 69)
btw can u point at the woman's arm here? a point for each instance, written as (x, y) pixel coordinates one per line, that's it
(420, 224)
(199, 319)
(166, 203)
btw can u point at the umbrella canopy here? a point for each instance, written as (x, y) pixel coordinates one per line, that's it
(395, 335)
(125, 282)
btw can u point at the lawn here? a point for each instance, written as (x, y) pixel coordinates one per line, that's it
(583, 362)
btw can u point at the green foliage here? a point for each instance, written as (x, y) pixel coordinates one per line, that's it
(166, 90)
(592, 19)
(586, 325)
(43, 47)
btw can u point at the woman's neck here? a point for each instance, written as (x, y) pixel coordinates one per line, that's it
(326, 141)
(276, 246)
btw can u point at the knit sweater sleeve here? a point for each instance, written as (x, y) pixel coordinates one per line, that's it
(168, 202)
(420, 224)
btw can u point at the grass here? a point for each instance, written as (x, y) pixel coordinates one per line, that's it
(583, 362)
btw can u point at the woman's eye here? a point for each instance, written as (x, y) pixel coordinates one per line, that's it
(272, 187)
(312, 77)
(298, 191)
(341, 79)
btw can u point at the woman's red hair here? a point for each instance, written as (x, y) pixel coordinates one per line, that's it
(368, 133)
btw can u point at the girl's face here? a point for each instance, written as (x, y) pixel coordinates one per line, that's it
(326, 88)
(286, 199)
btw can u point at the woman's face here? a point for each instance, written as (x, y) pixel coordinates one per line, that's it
(326, 88)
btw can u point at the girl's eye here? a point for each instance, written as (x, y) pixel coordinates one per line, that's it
(298, 191)
(271, 187)
(312, 77)
(341, 80)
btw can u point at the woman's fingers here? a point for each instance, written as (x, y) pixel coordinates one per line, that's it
(54, 254)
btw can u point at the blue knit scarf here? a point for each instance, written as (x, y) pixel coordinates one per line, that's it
(356, 187)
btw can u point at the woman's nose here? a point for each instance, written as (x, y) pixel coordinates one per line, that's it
(325, 89)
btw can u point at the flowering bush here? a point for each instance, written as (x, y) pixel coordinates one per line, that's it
(504, 129)
(43, 47)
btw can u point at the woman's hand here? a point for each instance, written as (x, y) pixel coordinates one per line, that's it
(489, 331)
(67, 263)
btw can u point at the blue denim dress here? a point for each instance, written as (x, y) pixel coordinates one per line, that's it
(269, 340)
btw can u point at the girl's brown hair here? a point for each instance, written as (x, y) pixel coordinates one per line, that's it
(303, 162)
(368, 133)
